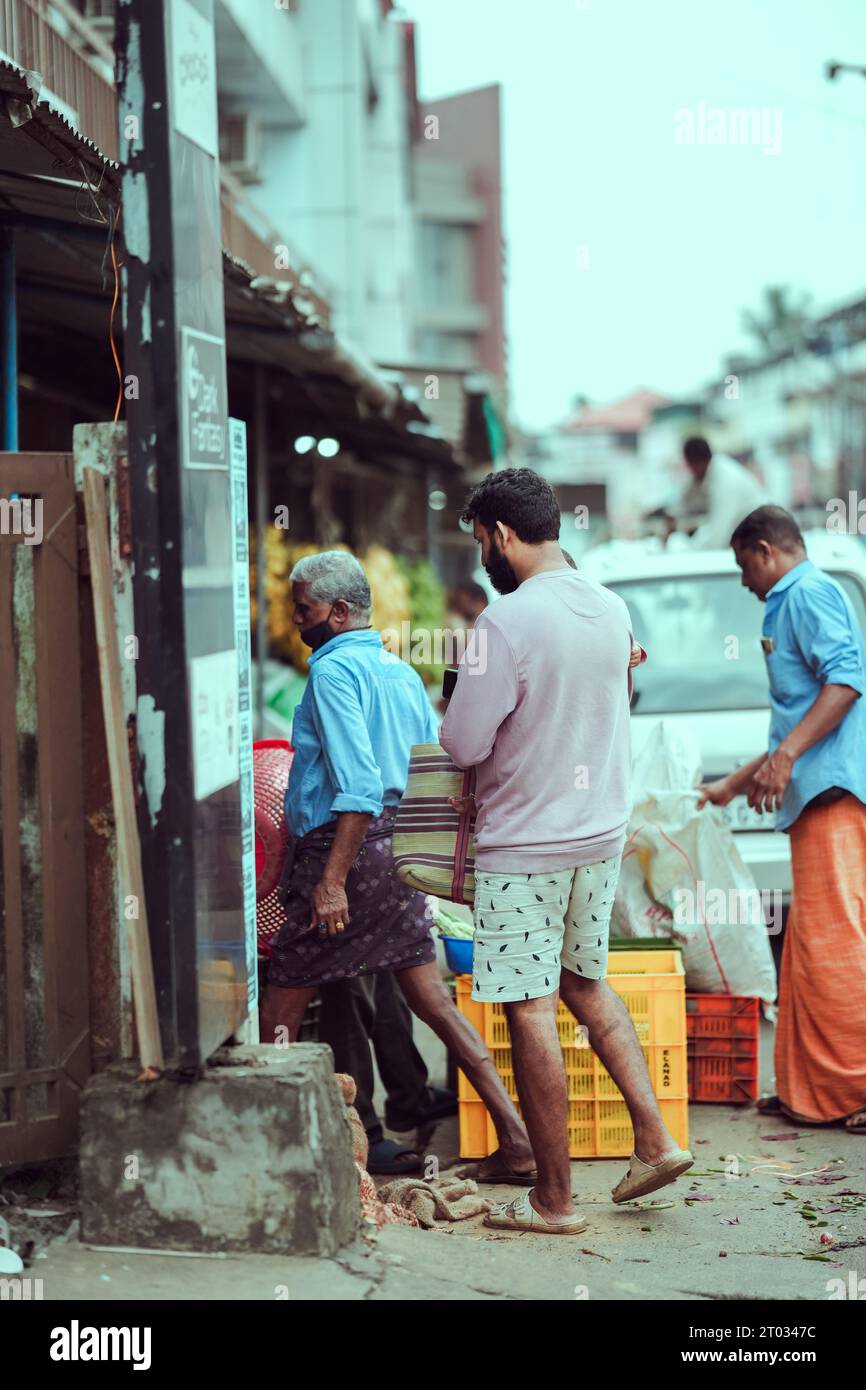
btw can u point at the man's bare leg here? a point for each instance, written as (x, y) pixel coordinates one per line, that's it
(429, 1000)
(613, 1038)
(540, 1074)
(283, 1008)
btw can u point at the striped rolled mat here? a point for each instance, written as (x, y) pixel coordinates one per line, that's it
(434, 848)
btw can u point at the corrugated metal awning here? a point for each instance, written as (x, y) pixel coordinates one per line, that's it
(36, 139)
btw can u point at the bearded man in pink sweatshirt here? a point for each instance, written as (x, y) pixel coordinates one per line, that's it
(541, 710)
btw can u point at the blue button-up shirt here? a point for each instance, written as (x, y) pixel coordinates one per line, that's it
(816, 641)
(353, 731)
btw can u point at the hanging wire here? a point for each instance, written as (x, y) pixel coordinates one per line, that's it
(94, 192)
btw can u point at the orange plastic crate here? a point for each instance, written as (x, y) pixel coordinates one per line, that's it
(652, 985)
(723, 1047)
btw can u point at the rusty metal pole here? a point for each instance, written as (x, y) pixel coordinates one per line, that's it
(176, 401)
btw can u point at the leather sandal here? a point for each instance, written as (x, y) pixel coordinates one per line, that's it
(520, 1215)
(495, 1171)
(642, 1178)
(393, 1160)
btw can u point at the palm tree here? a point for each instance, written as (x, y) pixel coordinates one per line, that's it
(780, 323)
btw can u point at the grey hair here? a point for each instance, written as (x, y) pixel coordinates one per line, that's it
(335, 574)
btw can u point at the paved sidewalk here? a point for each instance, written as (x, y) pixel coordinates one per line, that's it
(739, 1227)
(672, 1252)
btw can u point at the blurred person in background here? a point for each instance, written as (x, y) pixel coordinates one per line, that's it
(468, 601)
(814, 777)
(721, 493)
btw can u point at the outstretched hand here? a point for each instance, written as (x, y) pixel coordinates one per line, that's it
(717, 793)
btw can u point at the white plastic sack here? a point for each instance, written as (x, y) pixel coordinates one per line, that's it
(635, 913)
(691, 866)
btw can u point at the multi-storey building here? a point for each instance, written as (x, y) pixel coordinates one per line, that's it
(348, 223)
(799, 417)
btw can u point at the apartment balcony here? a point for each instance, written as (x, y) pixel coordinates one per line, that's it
(260, 62)
(458, 210)
(248, 235)
(455, 317)
(443, 195)
(76, 63)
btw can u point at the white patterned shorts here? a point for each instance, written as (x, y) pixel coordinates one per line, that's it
(528, 926)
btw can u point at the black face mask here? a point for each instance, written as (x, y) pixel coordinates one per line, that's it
(499, 571)
(317, 635)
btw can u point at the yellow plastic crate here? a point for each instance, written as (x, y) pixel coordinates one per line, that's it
(652, 986)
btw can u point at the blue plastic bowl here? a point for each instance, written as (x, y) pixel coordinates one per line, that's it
(458, 953)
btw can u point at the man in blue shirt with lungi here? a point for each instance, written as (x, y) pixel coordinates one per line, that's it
(347, 913)
(814, 778)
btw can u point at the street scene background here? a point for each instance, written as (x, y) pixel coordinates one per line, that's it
(392, 250)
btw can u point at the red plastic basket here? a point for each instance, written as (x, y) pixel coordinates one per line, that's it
(722, 1033)
(272, 761)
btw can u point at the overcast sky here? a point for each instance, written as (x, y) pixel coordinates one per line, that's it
(679, 237)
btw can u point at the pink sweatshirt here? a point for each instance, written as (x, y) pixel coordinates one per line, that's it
(541, 710)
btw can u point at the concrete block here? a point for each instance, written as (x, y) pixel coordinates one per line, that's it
(254, 1156)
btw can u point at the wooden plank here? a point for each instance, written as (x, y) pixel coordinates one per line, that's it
(65, 970)
(45, 1054)
(37, 1025)
(129, 850)
(13, 1053)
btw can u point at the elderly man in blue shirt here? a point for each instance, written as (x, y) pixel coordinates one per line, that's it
(347, 913)
(814, 778)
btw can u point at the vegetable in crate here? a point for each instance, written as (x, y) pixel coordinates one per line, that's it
(427, 605)
(450, 924)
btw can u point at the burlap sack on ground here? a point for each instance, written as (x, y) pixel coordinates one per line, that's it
(450, 1199)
